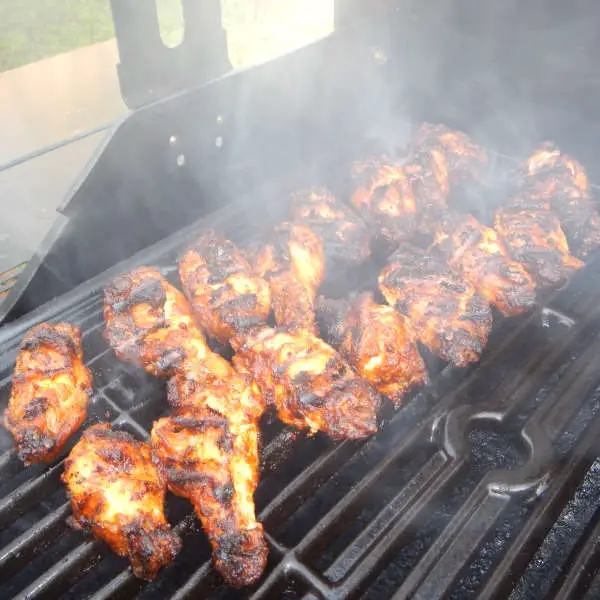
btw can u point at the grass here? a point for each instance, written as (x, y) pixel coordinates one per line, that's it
(34, 29)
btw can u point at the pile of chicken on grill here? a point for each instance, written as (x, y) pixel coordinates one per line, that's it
(322, 364)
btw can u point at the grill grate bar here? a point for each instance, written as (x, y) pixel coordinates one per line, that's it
(58, 578)
(349, 501)
(321, 469)
(399, 505)
(29, 493)
(33, 541)
(444, 560)
(584, 563)
(582, 376)
(358, 579)
(550, 505)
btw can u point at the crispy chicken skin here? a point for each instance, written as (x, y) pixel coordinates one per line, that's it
(377, 340)
(478, 254)
(227, 297)
(308, 382)
(403, 200)
(450, 317)
(387, 198)
(209, 446)
(551, 180)
(451, 155)
(535, 239)
(150, 323)
(294, 266)
(118, 492)
(344, 235)
(50, 391)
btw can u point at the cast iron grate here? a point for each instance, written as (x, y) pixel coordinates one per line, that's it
(467, 491)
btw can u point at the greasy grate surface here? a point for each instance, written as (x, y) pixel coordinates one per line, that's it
(484, 485)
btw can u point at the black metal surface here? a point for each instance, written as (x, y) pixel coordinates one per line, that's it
(487, 484)
(148, 69)
(511, 75)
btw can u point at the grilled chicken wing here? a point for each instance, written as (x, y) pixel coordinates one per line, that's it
(344, 235)
(209, 445)
(451, 155)
(535, 239)
(377, 340)
(394, 199)
(150, 323)
(308, 382)
(551, 180)
(294, 266)
(478, 254)
(118, 492)
(50, 391)
(227, 297)
(450, 317)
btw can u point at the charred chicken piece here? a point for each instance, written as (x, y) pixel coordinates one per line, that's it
(227, 297)
(294, 266)
(551, 180)
(344, 235)
(150, 323)
(308, 382)
(387, 198)
(477, 254)
(118, 493)
(450, 317)
(535, 239)
(50, 391)
(450, 154)
(378, 341)
(209, 446)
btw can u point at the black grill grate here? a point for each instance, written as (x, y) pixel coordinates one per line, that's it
(485, 485)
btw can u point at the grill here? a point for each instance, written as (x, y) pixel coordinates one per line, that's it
(475, 488)
(484, 485)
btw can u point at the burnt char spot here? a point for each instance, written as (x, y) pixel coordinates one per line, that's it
(116, 456)
(171, 359)
(47, 335)
(240, 556)
(224, 494)
(309, 399)
(182, 477)
(225, 442)
(35, 408)
(33, 443)
(203, 424)
(148, 291)
(112, 434)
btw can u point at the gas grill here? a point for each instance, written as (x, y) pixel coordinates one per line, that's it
(484, 485)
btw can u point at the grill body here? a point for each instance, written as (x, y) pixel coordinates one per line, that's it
(486, 485)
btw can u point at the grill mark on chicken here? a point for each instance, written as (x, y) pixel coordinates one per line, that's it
(376, 340)
(478, 254)
(550, 180)
(309, 383)
(344, 235)
(209, 446)
(225, 293)
(449, 316)
(293, 264)
(50, 392)
(117, 493)
(150, 324)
